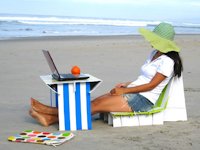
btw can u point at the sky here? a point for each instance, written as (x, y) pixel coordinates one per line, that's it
(179, 10)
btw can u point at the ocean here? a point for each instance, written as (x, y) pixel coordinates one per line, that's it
(15, 26)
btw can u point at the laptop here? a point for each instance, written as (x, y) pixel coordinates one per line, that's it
(56, 75)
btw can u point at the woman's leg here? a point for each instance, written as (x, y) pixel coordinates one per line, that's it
(44, 114)
(47, 115)
(39, 107)
(110, 103)
(43, 118)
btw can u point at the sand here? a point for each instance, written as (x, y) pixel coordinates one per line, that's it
(113, 59)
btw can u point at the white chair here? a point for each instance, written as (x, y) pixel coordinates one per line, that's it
(169, 107)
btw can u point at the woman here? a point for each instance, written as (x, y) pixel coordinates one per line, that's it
(162, 64)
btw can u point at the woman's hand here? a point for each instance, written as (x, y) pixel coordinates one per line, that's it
(122, 85)
(117, 91)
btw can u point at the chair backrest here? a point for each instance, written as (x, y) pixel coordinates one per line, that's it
(164, 96)
(159, 106)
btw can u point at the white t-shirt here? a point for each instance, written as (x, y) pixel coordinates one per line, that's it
(163, 65)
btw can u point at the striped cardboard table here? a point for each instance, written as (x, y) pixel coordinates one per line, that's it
(73, 101)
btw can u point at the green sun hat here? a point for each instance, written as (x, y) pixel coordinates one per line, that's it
(161, 38)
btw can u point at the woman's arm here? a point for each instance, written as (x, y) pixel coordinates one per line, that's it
(122, 85)
(157, 79)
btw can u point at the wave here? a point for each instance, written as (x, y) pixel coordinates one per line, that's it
(75, 21)
(189, 25)
(183, 25)
(25, 26)
(41, 20)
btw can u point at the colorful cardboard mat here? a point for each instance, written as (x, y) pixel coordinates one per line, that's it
(30, 136)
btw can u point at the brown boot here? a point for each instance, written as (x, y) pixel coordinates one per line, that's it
(41, 108)
(44, 119)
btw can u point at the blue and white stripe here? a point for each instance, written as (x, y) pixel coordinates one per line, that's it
(74, 106)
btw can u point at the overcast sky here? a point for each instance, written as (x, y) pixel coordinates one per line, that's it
(180, 10)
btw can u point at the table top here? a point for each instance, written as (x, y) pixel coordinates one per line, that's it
(48, 80)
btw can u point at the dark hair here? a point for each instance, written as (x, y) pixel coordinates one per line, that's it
(178, 67)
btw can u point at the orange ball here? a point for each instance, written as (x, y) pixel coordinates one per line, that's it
(75, 70)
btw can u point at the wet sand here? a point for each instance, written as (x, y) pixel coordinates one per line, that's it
(113, 59)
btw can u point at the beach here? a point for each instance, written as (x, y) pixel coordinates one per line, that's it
(113, 59)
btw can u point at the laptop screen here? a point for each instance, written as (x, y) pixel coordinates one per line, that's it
(50, 62)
